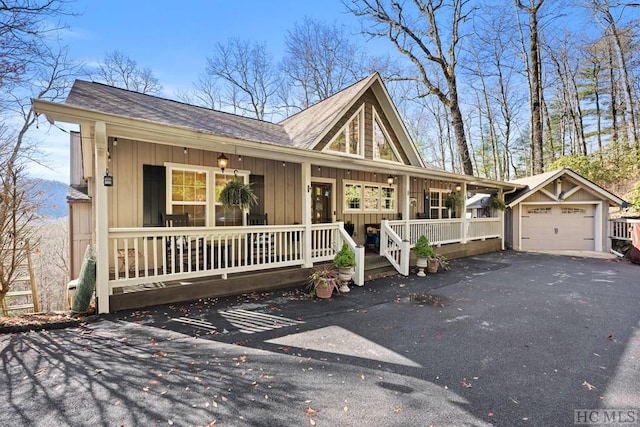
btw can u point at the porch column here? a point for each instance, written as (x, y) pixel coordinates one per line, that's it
(463, 213)
(306, 212)
(101, 218)
(502, 213)
(406, 207)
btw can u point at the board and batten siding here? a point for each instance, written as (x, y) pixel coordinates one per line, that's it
(283, 184)
(369, 99)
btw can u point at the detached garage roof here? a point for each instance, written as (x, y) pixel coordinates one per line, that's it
(538, 182)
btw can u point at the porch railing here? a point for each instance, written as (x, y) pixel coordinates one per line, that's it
(394, 235)
(394, 248)
(620, 228)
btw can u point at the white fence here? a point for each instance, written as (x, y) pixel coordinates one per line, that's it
(396, 242)
(620, 228)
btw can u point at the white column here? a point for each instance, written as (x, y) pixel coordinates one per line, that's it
(463, 213)
(599, 231)
(406, 207)
(306, 212)
(101, 218)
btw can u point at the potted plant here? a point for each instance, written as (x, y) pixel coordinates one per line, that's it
(236, 193)
(453, 202)
(423, 251)
(323, 281)
(345, 259)
(497, 203)
(443, 262)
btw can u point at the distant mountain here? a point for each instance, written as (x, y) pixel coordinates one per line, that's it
(51, 196)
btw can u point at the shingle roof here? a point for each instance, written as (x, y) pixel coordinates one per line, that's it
(121, 102)
(308, 125)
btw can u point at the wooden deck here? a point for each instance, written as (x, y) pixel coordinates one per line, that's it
(241, 283)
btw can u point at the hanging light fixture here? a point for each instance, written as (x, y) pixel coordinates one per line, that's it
(223, 162)
(108, 179)
(390, 180)
(115, 141)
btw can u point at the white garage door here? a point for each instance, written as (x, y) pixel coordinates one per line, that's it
(558, 227)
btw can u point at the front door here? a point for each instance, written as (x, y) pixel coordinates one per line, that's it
(320, 202)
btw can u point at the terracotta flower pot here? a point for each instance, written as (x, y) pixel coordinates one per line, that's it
(432, 265)
(326, 290)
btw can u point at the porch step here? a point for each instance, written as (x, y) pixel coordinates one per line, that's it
(377, 266)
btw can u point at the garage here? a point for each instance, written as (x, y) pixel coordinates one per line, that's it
(558, 211)
(558, 227)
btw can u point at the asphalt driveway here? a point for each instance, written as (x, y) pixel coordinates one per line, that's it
(501, 339)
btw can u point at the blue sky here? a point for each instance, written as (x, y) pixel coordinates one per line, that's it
(174, 39)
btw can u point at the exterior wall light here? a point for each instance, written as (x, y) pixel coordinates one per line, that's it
(223, 161)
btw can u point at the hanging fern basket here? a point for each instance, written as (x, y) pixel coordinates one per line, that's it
(237, 194)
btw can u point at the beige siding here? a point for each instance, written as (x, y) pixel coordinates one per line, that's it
(369, 101)
(282, 183)
(80, 230)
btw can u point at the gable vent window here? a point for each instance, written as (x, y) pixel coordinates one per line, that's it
(350, 139)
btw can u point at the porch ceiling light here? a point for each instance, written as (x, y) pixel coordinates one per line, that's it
(390, 180)
(223, 161)
(458, 187)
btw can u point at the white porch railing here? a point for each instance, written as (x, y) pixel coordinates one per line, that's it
(396, 242)
(394, 248)
(620, 228)
(146, 255)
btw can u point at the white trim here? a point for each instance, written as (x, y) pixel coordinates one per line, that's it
(331, 181)
(597, 218)
(361, 209)
(361, 119)
(376, 148)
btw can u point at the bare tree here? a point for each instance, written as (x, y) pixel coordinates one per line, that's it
(534, 75)
(416, 33)
(49, 78)
(604, 11)
(119, 70)
(320, 60)
(24, 26)
(246, 74)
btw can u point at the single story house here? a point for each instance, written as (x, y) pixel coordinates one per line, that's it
(147, 173)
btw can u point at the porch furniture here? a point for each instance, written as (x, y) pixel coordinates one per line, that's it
(262, 243)
(372, 232)
(177, 245)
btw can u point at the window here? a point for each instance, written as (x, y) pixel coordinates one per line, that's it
(382, 147)
(352, 196)
(389, 199)
(437, 208)
(369, 197)
(188, 193)
(228, 216)
(539, 211)
(349, 139)
(574, 211)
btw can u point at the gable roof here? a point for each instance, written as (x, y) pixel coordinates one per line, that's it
(536, 182)
(102, 98)
(308, 126)
(302, 130)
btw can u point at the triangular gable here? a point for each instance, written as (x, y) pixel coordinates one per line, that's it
(537, 182)
(308, 128)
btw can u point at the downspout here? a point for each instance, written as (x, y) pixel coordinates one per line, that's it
(519, 219)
